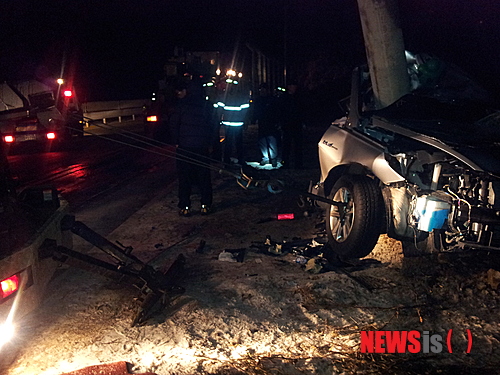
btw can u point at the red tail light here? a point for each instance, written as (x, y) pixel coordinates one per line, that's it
(8, 139)
(152, 118)
(51, 135)
(286, 216)
(9, 286)
(68, 93)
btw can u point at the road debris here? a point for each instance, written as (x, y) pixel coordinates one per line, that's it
(226, 256)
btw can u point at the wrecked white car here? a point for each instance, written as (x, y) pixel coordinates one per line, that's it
(425, 170)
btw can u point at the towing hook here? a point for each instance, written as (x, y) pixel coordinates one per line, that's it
(157, 286)
(69, 222)
(122, 255)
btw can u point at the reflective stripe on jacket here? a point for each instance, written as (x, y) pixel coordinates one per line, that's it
(233, 115)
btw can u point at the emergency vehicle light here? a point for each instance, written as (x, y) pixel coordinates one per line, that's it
(51, 135)
(9, 286)
(8, 139)
(68, 93)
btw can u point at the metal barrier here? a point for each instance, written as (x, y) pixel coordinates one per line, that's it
(115, 109)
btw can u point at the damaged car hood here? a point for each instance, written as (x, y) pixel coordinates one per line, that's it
(470, 128)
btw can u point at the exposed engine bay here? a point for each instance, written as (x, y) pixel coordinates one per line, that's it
(441, 193)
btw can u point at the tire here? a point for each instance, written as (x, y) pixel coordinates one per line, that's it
(356, 235)
(424, 244)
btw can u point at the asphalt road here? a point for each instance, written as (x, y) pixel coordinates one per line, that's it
(105, 177)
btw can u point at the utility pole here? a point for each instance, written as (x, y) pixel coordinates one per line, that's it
(285, 43)
(385, 50)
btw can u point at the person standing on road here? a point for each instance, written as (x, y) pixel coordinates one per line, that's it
(192, 132)
(292, 122)
(265, 115)
(234, 117)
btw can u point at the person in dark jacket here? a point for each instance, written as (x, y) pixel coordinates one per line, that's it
(292, 122)
(233, 110)
(192, 132)
(265, 115)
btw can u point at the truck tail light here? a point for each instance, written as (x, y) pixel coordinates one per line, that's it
(152, 118)
(9, 286)
(51, 135)
(8, 139)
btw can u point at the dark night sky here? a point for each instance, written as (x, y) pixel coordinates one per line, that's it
(117, 47)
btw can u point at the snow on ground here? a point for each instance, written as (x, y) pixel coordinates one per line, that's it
(267, 314)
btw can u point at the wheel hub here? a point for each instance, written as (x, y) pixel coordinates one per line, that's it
(342, 218)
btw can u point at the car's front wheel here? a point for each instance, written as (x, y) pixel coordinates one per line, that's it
(353, 229)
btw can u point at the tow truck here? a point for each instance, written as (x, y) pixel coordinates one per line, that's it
(40, 112)
(26, 220)
(36, 237)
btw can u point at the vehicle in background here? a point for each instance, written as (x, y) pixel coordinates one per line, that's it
(35, 111)
(425, 170)
(152, 118)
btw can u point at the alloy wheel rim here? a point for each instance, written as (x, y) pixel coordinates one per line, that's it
(340, 226)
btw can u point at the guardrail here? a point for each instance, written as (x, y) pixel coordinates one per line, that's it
(115, 109)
